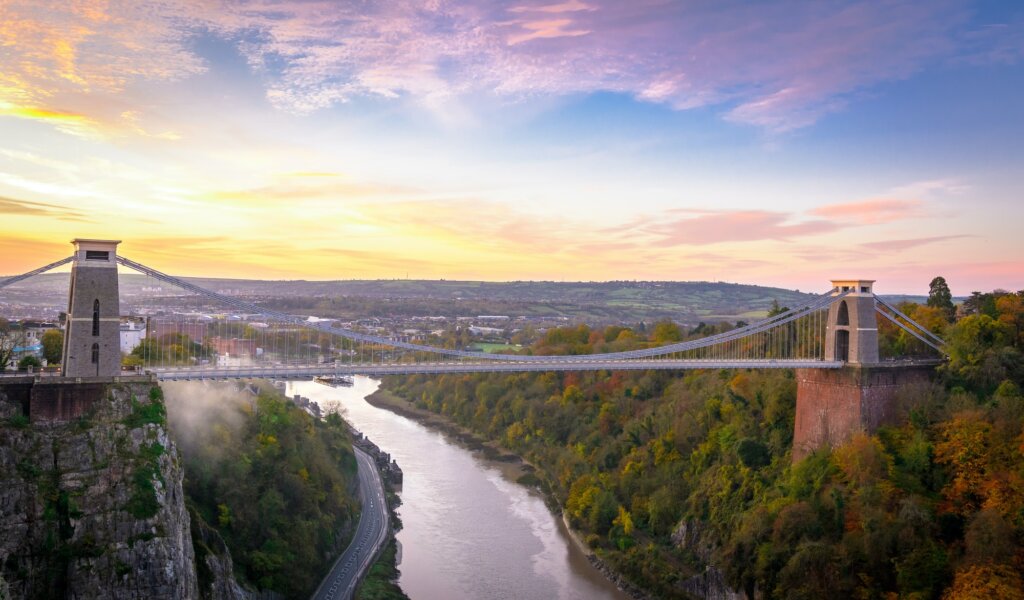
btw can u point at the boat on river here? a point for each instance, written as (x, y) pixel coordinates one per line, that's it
(334, 380)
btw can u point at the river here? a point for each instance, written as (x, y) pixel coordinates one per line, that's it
(469, 531)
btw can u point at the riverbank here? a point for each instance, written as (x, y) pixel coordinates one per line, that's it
(516, 467)
(513, 466)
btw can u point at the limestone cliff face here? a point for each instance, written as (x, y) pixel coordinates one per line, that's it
(94, 508)
(215, 569)
(710, 584)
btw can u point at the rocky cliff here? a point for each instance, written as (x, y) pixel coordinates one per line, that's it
(710, 584)
(93, 507)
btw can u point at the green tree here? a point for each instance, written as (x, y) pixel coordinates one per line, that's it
(29, 361)
(53, 345)
(940, 297)
(776, 309)
(665, 332)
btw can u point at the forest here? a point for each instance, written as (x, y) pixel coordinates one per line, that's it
(276, 483)
(666, 473)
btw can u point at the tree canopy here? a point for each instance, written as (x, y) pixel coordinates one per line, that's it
(666, 473)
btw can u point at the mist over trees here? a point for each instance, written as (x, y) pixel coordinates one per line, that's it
(276, 483)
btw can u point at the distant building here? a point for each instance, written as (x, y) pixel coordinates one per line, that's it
(158, 328)
(233, 347)
(133, 331)
(30, 342)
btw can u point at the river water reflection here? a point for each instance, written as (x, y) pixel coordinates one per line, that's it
(469, 531)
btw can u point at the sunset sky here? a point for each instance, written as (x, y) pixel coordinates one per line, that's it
(779, 143)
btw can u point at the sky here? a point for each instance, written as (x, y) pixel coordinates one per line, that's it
(780, 143)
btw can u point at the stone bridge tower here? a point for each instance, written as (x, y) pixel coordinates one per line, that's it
(852, 334)
(92, 338)
(834, 404)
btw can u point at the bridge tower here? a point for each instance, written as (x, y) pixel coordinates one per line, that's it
(834, 404)
(852, 334)
(92, 338)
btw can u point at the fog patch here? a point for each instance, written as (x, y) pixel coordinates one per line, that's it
(198, 411)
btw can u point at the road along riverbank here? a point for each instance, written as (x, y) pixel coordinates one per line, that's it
(371, 534)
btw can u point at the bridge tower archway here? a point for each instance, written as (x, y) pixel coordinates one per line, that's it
(842, 349)
(843, 318)
(852, 333)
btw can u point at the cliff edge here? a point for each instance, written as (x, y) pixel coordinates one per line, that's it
(92, 507)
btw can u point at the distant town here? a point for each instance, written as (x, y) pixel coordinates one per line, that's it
(474, 316)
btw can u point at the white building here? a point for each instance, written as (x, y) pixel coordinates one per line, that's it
(28, 341)
(133, 331)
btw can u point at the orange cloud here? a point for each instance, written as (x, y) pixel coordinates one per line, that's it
(20, 254)
(68, 122)
(873, 211)
(44, 114)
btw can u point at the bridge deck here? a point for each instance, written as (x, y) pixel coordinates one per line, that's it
(296, 372)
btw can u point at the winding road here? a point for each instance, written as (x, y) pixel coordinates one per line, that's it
(371, 533)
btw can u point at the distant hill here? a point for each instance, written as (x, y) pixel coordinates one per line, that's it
(622, 301)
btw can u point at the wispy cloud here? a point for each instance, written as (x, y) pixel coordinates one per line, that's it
(68, 122)
(11, 206)
(873, 211)
(487, 225)
(778, 66)
(900, 245)
(699, 228)
(321, 191)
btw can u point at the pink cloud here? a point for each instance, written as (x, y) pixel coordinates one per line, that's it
(873, 211)
(698, 228)
(778, 66)
(563, 7)
(899, 245)
(551, 28)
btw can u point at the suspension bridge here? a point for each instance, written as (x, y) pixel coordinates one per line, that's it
(191, 332)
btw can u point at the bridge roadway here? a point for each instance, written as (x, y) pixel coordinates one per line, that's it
(370, 535)
(490, 366)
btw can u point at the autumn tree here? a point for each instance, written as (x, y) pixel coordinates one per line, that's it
(53, 345)
(986, 582)
(666, 332)
(989, 538)
(963, 448)
(1011, 313)
(977, 347)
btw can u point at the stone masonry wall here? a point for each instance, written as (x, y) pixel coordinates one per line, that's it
(833, 404)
